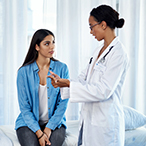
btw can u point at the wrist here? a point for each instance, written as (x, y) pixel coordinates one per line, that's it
(68, 83)
(39, 133)
(41, 136)
(47, 132)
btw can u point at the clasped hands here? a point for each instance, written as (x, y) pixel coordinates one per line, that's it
(44, 136)
(56, 81)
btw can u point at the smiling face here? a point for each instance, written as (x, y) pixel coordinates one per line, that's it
(46, 47)
(96, 28)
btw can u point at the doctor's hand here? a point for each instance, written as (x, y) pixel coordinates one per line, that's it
(56, 81)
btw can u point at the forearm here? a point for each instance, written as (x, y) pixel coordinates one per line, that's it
(58, 115)
(63, 83)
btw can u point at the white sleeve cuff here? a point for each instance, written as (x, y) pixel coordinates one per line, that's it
(65, 92)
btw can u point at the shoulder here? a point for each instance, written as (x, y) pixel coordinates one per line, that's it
(61, 69)
(119, 54)
(26, 68)
(120, 50)
(60, 64)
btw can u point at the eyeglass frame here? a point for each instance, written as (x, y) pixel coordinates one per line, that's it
(93, 25)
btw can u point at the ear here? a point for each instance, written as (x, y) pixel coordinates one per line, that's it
(104, 25)
(37, 47)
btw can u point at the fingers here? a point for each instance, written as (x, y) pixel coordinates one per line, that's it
(52, 73)
(47, 142)
(54, 83)
(51, 77)
(55, 75)
(54, 79)
(44, 141)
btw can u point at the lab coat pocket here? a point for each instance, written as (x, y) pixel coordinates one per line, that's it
(98, 71)
(99, 67)
(102, 114)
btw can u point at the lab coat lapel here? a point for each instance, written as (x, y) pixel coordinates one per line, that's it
(96, 54)
(95, 60)
(104, 52)
(113, 43)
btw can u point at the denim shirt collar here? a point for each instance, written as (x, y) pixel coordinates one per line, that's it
(36, 68)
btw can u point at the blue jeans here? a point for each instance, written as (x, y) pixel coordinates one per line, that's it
(27, 137)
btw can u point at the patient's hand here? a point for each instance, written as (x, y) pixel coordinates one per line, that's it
(56, 81)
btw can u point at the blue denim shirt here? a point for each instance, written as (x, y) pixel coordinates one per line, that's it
(28, 97)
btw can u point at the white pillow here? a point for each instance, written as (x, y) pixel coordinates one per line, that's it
(4, 140)
(135, 137)
(133, 118)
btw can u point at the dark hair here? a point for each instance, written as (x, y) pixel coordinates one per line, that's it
(32, 54)
(107, 14)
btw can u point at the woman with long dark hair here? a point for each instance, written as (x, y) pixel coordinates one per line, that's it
(42, 119)
(100, 85)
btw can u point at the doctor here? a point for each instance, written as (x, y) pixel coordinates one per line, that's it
(99, 87)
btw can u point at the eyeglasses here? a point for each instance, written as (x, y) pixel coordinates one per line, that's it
(94, 25)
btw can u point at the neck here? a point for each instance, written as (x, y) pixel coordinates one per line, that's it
(43, 63)
(109, 38)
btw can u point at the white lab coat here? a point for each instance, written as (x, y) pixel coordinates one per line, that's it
(100, 94)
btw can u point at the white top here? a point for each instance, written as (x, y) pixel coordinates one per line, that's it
(101, 93)
(43, 104)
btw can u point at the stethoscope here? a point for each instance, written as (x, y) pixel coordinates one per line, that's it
(102, 60)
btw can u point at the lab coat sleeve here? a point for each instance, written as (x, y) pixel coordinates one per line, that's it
(65, 91)
(103, 88)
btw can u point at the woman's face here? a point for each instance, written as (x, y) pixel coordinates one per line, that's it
(96, 29)
(46, 47)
